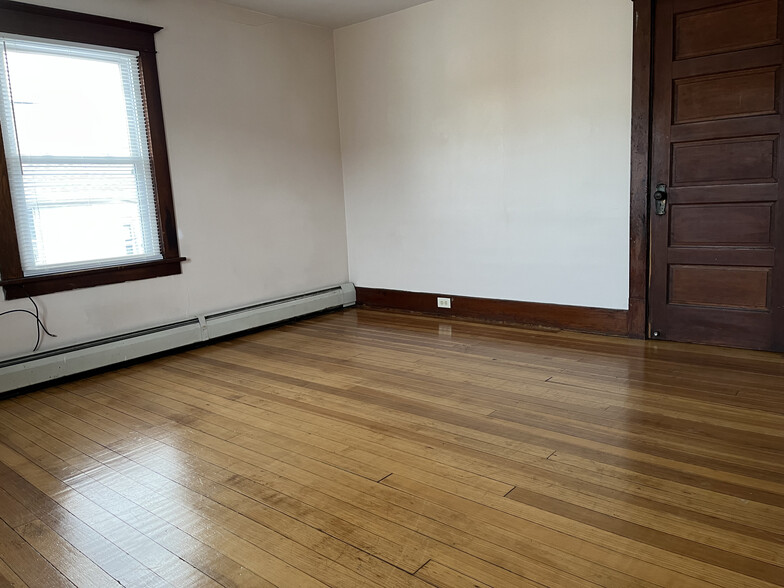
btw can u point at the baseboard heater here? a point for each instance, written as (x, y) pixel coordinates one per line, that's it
(69, 361)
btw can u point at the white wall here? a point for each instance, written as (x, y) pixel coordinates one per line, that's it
(250, 110)
(486, 149)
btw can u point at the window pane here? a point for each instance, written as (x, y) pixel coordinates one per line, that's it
(83, 213)
(78, 158)
(68, 106)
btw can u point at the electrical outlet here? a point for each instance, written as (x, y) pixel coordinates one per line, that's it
(444, 303)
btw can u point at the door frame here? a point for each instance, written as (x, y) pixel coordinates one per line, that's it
(639, 228)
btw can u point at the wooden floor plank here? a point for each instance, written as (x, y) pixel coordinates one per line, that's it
(364, 448)
(114, 546)
(26, 563)
(445, 577)
(9, 578)
(705, 553)
(383, 446)
(745, 482)
(502, 394)
(340, 550)
(645, 486)
(478, 372)
(662, 518)
(313, 481)
(69, 561)
(276, 546)
(396, 509)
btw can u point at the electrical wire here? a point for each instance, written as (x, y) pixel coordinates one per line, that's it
(39, 326)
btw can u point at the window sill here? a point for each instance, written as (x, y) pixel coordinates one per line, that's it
(51, 283)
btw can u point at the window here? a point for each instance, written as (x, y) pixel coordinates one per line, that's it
(85, 196)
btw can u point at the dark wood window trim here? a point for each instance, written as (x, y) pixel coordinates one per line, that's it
(637, 316)
(62, 25)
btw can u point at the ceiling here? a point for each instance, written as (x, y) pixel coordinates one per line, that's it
(327, 13)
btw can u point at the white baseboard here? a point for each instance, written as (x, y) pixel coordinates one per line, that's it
(69, 361)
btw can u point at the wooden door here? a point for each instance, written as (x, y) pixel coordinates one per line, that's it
(717, 252)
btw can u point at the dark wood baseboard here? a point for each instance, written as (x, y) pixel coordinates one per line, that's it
(571, 318)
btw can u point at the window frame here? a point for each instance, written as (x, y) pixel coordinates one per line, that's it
(63, 25)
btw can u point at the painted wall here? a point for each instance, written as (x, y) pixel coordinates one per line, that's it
(250, 110)
(486, 149)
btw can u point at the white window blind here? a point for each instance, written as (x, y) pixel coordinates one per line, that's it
(77, 152)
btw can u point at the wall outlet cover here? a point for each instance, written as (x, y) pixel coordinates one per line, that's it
(444, 302)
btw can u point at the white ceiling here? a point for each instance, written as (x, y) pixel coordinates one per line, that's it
(327, 13)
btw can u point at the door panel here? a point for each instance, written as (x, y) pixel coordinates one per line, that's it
(717, 252)
(728, 287)
(725, 27)
(724, 161)
(742, 225)
(711, 325)
(726, 96)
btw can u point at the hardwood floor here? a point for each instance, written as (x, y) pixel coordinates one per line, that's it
(364, 448)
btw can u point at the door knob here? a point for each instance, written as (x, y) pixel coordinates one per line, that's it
(660, 199)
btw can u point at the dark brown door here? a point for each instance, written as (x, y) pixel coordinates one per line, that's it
(717, 251)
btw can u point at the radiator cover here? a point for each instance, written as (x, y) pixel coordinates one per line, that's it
(68, 361)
